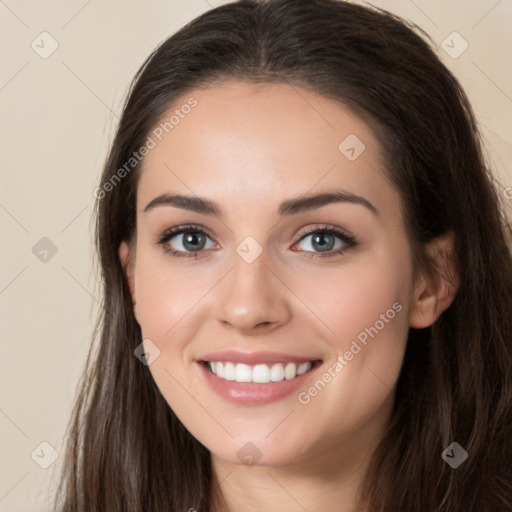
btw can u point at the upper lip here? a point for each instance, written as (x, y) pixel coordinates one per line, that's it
(252, 358)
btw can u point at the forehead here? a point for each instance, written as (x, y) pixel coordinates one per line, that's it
(261, 142)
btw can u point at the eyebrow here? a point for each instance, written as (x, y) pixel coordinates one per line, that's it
(288, 207)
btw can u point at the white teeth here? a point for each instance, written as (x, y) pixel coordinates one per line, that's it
(277, 372)
(260, 373)
(303, 368)
(243, 373)
(290, 371)
(229, 371)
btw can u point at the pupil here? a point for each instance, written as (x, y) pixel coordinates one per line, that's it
(192, 239)
(323, 243)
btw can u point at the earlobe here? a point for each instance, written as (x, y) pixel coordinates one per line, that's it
(433, 293)
(126, 262)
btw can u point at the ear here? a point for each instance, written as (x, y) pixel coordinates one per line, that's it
(127, 261)
(434, 293)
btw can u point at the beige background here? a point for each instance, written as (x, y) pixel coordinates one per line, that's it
(58, 117)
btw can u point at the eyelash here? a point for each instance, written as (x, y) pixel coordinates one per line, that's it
(170, 233)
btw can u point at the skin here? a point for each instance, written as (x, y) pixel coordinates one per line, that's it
(248, 148)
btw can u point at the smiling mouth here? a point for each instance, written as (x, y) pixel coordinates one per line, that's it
(259, 373)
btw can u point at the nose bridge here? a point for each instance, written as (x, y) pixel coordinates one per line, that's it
(252, 294)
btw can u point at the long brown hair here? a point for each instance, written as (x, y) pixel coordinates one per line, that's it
(126, 449)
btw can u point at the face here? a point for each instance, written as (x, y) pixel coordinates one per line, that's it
(302, 306)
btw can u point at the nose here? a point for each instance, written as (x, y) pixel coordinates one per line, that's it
(253, 297)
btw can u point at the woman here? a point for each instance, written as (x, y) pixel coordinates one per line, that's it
(307, 282)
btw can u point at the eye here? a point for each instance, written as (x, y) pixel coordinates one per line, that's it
(323, 240)
(190, 239)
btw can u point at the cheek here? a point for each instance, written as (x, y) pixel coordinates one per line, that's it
(165, 298)
(167, 304)
(351, 299)
(366, 313)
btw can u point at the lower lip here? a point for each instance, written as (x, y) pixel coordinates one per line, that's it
(250, 393)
